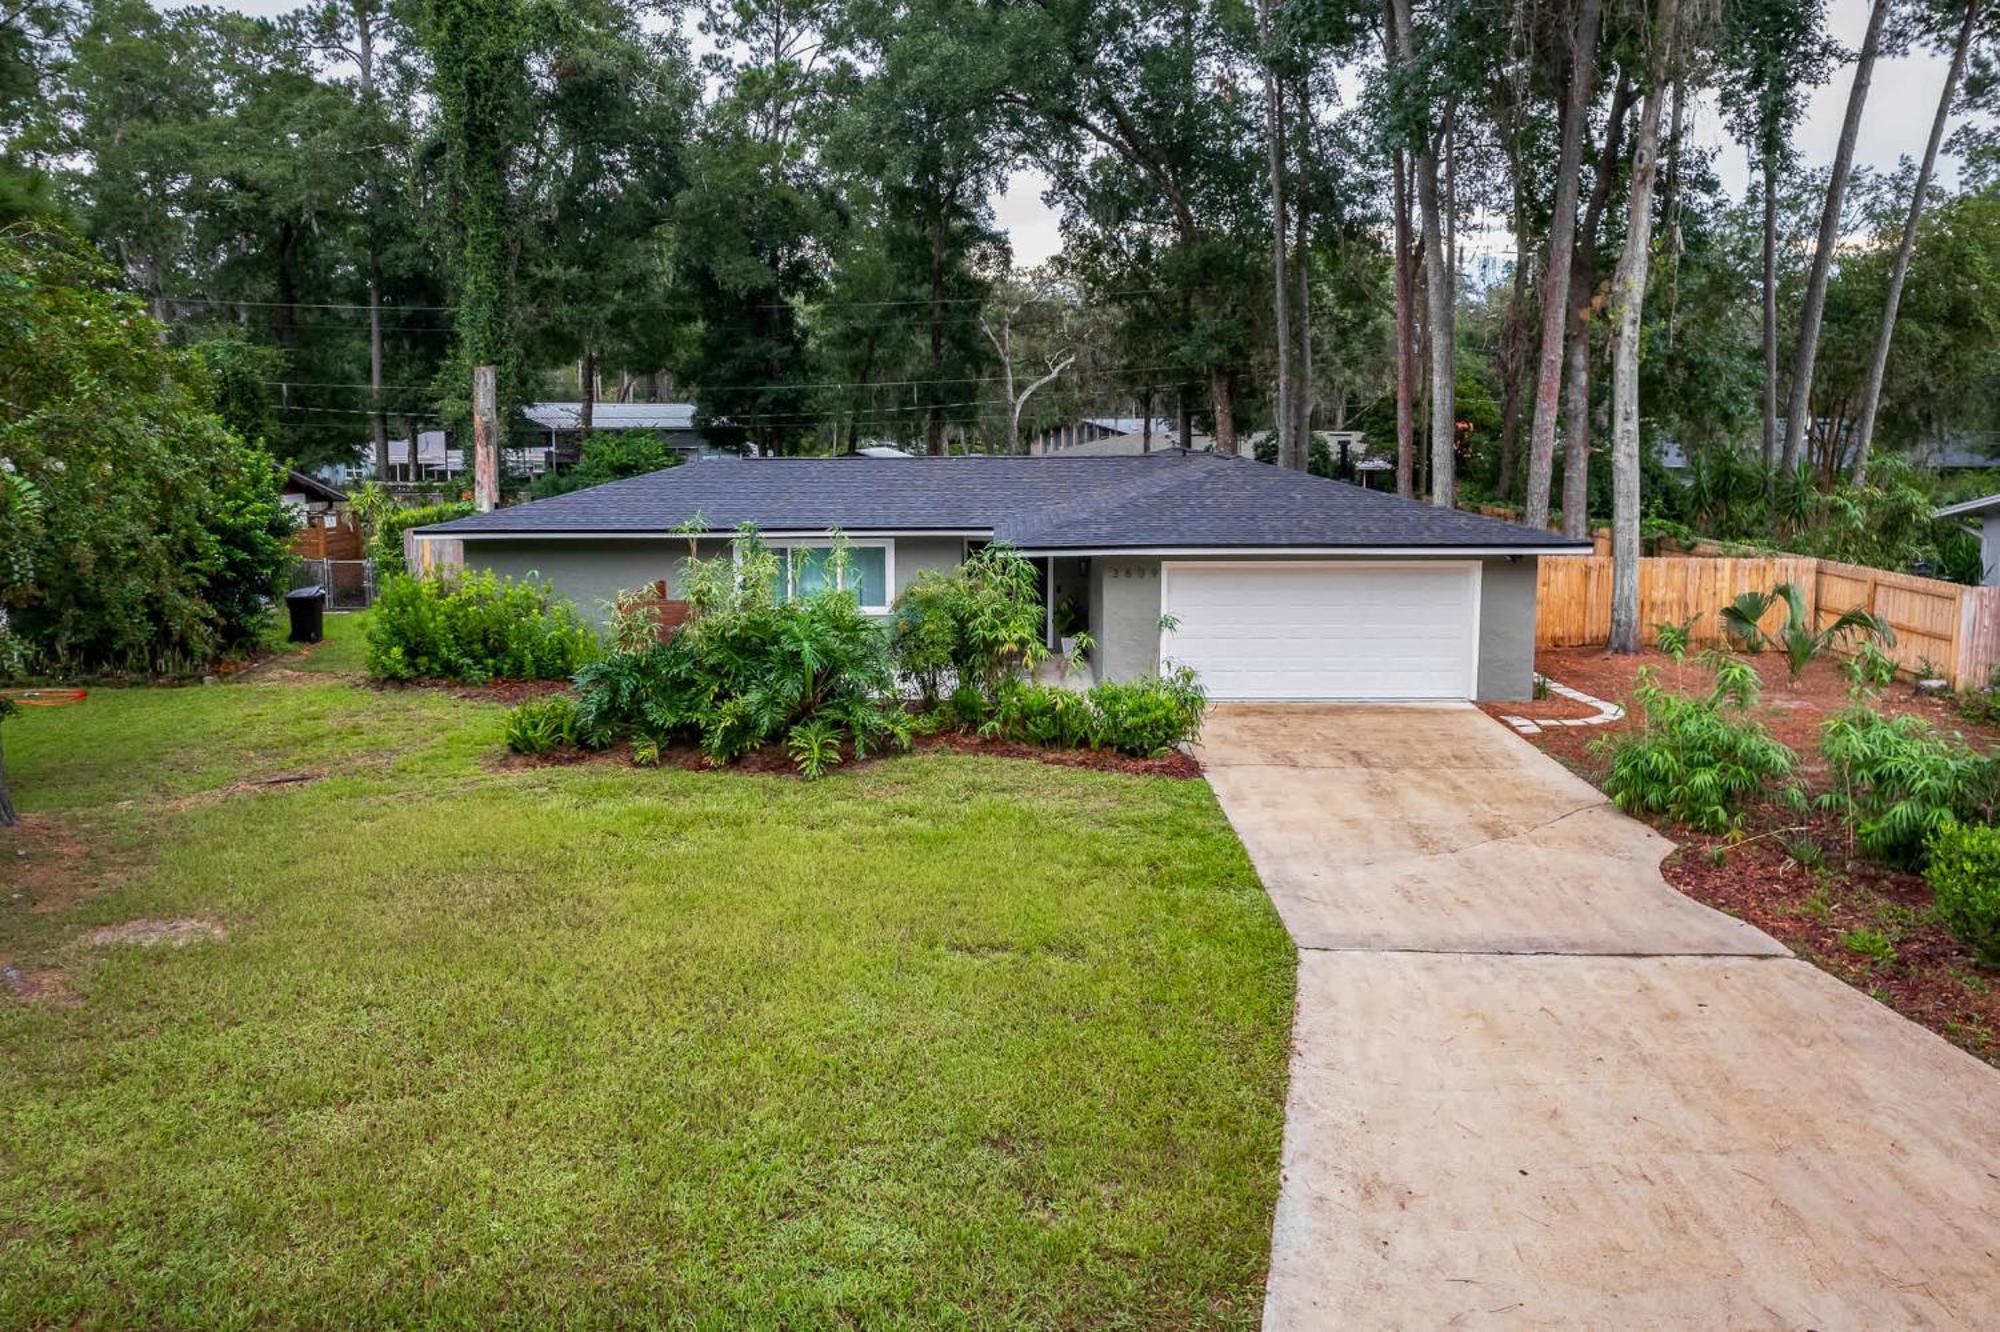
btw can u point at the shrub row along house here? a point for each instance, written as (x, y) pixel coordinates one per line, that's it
(1269, 584)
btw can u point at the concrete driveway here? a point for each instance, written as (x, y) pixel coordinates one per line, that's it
(1532, 1085)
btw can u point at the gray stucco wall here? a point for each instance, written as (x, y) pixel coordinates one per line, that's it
(591, 573)
(1507, 628)
(1989, 548)
(1125, 621)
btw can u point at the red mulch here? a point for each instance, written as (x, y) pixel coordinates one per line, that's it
(1930, 978)
(508, 692)
(772, 759)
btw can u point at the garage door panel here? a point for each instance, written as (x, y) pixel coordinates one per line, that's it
(1325, 630)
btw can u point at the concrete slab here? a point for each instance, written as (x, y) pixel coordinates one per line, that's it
(1534, 1086)
(1510, 1141)
(1431, 828)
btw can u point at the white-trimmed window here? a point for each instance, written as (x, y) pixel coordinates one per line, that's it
(806, 567)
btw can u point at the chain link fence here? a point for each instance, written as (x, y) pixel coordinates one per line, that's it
(349, 584)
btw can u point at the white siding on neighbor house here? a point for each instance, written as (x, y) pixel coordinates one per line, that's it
(1989, 548)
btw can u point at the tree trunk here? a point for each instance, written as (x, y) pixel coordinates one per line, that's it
(1628, 299)
(1221, 403)
(1798, 408)
(1405, 335)
(1576, 430)
(1274, 158)
(1770, 311)
(7, 815)
(1562, 245)
(1878, 365)
(1438, 317)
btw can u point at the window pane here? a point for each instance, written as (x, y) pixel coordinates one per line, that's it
(810, 572)
(867, 574)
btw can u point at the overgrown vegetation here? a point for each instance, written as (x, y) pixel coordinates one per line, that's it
(542, 725)
(1964, 874)
(138, 533)
(474, 627)
(386, 521)
(1898, 780)
(1691, 762)
(978, 626)
(747, 670)
(609, 455)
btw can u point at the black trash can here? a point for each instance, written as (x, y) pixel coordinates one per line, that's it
(307, 607)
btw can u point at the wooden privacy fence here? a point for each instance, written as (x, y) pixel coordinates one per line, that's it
(1954, 627)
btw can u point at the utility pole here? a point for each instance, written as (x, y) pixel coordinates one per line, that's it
(485, 440)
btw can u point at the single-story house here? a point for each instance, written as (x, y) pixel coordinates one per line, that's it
(1113, 436)
(327, 526)
(1983, 514)
(1268, 583)
(560, 426)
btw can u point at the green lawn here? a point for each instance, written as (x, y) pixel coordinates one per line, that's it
(938, 1042)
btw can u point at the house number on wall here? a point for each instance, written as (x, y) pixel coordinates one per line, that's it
(1131, 571)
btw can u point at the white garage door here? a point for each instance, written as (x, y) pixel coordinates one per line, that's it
(1302, 630)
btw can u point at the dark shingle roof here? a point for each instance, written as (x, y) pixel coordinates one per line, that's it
(1166, 499)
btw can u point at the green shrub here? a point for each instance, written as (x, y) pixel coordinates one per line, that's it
(542, 725)
(1144, 718)
(387, 521)
(1898, 780)
(609, 455)
(1693, 764)
(748, 671)
(1964, 875)
(1870, 667)
(474, 627)
(1152, 715)
(980, 625)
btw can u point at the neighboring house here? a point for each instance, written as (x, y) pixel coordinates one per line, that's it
(1965, 452)
(560, 425)
(1271, 584)
(327, 527)
(1111, 437)
(1983, 514)
(436, 461)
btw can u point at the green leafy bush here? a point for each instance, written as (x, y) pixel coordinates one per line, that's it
(609, 455)
(1898, 780)
(474, 627)
(387, 521)
(1964, 874)
(137, 531)
(748, 670)
(1144, 718)
(1797, 638)
(1692, 763)
(979, 625)
(542, 725)
(1150, 715)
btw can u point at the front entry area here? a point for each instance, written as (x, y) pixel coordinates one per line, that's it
(1359, 629)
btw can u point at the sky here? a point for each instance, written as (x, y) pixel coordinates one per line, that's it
(1901, 101)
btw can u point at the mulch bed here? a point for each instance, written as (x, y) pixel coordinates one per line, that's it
(773, 761)
(508, 692)
(1929, 977)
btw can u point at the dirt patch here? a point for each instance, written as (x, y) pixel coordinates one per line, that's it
(152, 933)
(46, 983)
(1795, 876)
(508, 692)
(49, 866)
(773, 761)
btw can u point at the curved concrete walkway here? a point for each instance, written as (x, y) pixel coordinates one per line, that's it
(1534, 1086)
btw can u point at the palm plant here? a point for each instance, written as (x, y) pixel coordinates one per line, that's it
(1800, 641)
